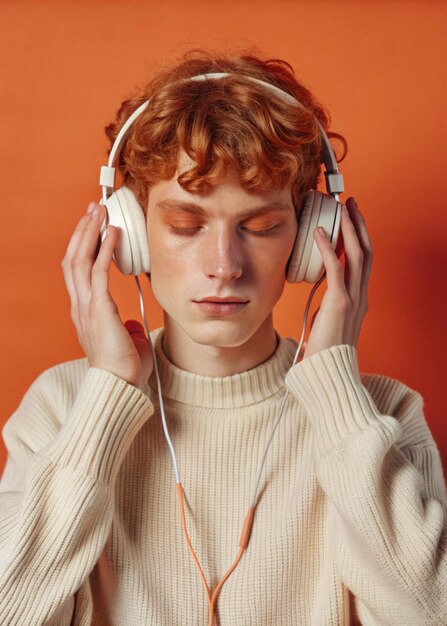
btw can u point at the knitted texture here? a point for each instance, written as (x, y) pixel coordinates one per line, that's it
(350, 524)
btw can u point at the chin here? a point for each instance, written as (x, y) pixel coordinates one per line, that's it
(218, 333)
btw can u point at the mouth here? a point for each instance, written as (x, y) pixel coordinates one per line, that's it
(227, 299)
(221, 307)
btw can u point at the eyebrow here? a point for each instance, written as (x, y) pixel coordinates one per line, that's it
(196, 209)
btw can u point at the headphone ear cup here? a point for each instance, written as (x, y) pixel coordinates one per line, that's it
(131, 255)
(295, 266)
(306, 263)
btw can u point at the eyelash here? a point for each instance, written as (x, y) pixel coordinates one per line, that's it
(187, 232)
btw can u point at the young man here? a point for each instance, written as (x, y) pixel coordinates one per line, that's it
(350, 520)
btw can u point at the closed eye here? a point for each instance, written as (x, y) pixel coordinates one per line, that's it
(192, 230)
(262, 233)
(189, 231)
(185, 232)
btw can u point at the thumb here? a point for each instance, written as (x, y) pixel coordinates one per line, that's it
(140, 341)
(138, 336)
(134, 328)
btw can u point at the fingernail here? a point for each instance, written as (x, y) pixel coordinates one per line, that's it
(321, 231)
(90, 207)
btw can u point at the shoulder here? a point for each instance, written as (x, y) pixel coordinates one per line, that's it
(337, 368)
(393, 397)
(388, 392)
(46, 403)
(59, 384)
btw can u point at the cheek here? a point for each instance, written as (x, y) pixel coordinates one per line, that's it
(171, 274)
(273, 255)
(168, 255)
(163, 268)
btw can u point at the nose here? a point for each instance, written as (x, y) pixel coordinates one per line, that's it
(222, 255)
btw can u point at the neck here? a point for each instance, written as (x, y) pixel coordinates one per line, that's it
(211, 360)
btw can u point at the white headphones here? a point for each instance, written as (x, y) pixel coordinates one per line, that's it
(132, 256)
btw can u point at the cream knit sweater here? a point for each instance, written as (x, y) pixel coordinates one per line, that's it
(351, 514)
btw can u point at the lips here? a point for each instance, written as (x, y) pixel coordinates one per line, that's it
(227, 299)
(221, 307)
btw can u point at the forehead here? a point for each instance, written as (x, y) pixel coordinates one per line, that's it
(227, 197)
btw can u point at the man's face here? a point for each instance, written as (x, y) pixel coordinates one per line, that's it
(227, 243)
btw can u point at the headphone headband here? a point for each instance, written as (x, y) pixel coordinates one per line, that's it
(333, 178)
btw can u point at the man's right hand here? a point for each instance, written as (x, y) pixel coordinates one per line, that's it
(122, 349)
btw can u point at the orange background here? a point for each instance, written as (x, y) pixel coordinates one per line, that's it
(380, 68)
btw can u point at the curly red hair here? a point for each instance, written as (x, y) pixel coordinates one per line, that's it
(230, 122)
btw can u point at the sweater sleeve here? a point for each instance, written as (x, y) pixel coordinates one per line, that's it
(377, 462)
(56, 492)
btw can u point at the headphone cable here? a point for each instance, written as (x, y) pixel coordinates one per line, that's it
(248, 521)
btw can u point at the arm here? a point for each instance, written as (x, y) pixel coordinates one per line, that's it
(380, 468)
(56, 493)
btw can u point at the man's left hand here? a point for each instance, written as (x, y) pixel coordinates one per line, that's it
(343, 308)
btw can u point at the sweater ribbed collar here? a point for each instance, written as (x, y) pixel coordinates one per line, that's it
(237, 390)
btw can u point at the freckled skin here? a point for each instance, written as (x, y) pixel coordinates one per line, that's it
(220, 255)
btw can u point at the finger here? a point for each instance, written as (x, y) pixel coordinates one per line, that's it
(84, 256)
(365, 242)
(101, 267)
(353, 257)
(336, 287)
(77, 233)
(340, 246)
(66, 261)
